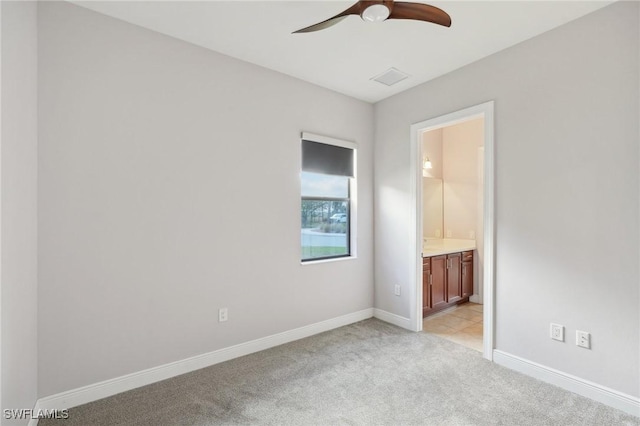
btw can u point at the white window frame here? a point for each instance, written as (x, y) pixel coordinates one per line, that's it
(353, 197)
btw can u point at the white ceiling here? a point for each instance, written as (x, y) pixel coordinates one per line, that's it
(346, 56)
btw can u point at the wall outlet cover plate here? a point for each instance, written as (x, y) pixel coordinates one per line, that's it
(557, 332)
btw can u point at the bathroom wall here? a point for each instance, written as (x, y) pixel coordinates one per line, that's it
(432, 197)
(451, 200)
(460, 144)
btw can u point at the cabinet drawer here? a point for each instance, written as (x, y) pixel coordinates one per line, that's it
(467, 255)
(426, 264)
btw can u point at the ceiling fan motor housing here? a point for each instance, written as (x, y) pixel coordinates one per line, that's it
(375, 11)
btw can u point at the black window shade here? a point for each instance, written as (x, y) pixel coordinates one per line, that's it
(328, 159)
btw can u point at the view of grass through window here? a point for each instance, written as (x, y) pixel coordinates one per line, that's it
(325, 216)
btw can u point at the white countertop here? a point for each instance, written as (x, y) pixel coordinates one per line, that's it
(438, 246)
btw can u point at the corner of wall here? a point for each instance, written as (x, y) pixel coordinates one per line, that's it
(18, 208)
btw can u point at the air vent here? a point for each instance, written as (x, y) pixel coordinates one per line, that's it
(390, 77)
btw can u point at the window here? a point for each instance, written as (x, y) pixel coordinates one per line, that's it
(328, 174)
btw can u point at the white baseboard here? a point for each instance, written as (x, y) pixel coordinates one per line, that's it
(627, 403)
(121, 384)
(475, 298)
(36, 408)
(392, 318)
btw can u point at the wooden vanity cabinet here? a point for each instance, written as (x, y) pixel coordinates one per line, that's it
(467, 273)
(426, 286)
(445, 281)
(454, 283)
(438, 282)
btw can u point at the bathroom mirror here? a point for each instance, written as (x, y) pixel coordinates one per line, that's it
(432, 212)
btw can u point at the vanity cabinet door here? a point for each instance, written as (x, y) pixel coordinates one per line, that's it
(447, 280)
(454, 283)
(438, 281)
(467, 273)
(426, 286)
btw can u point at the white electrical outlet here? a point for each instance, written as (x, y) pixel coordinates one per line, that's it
(396, 290)
(448, 233)
(583, 339)
(557, 332)
(223, 314)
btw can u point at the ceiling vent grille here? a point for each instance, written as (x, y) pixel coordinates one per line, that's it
(390, 77)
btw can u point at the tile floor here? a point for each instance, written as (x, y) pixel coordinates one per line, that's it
(461, 324)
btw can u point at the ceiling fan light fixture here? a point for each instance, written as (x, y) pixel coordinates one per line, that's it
(375, 13)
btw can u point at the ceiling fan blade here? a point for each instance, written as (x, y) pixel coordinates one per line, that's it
(321, 26)
(353, 10)
(420, 12)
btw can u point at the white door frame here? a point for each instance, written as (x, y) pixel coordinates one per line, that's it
(486, 111)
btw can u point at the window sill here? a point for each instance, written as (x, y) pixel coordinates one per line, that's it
(335, 259)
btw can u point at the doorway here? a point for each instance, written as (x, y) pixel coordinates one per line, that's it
(484, 293)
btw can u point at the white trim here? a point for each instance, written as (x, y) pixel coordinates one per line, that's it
(353, 193)
(486, 111)
(312, 137)
(474, 298)
(330, 260)
(36, 409)
(488, 263)
(392, 318)
(416, 241)
(353, 206)
(127, 382)
(621, 401)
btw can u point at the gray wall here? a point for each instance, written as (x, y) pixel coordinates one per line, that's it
(18, 153)
(566, 191)
(169, 187)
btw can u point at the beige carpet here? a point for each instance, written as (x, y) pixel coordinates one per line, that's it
(368, 373)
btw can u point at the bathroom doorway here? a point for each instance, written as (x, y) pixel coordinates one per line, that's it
(454, 241)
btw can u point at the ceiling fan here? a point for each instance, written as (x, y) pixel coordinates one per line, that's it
(380, 10)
